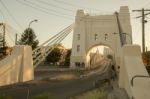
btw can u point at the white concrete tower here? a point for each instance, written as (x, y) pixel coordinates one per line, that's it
(79, 41)
(90, 31)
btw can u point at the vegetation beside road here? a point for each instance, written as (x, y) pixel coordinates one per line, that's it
(94, 94)
(5, 97)
(147, 61)
(29, 37)
(45, 96)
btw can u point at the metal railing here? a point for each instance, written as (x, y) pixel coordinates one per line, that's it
(137, 76)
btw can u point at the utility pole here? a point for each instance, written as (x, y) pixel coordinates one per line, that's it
(16, 39)
(1, 24)
(4, 33)
(143, 30)
(143, 14)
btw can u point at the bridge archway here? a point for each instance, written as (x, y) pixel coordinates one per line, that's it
(97, 54)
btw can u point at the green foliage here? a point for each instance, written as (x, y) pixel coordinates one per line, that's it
(29, 38)
(67, 58)
(46, 79)
(94, 94)
(110, 56)
(148, 61)
(78, 72)
(148, 69)
(45, 96)
(5, 97)
(148, 57)
(54, 56)
(1, 40)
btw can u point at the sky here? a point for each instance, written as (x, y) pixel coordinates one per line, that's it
(55, 15)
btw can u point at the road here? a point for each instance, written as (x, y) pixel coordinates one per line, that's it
(62, 89)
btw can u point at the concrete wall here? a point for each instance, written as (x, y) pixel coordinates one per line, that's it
(17, 67)
(87, 26)
(132, 65)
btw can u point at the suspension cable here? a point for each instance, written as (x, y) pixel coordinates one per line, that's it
(53, 39)
(52, 43)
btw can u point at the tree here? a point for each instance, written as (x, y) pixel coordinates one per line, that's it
(110, 56)
(67, 58)
(147, 60)
(147, 55)
(29, 38)
(1, 40)
(54, 56)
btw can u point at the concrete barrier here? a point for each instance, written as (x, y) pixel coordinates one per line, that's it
(17, 67)
(133, 75)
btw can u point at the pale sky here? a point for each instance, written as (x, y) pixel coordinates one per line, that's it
(55, 15)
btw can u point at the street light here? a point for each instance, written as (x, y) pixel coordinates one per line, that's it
(127, 35)
(35, 20)
(32, 22)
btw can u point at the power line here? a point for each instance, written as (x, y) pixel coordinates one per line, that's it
(41, 10)
(146, 4)
(13, 18)
(147, 17)
(2, 13)
(9, 36)
(79, 6)
(75, 5)
(55, 6)
(14, 30)
(12, 33)
(143, 25)
(47, 3)
(46, 8)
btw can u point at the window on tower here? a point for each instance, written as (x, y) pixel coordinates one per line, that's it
(96, 37)
(78, 48)
(78, 36)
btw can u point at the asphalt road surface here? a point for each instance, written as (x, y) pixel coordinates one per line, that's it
(62, 89)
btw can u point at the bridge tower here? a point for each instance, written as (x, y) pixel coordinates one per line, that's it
(93, 30)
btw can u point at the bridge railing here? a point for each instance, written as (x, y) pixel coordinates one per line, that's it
(136, 76)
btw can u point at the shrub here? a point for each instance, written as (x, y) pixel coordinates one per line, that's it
(96, 94)
(5, 97)
(45, 96)
(148, 69)
(78, 72)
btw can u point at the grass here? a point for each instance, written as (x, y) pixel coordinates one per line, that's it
(45, 96)
(95, 94)
(78, 72)
(5, 97)
(45, 79)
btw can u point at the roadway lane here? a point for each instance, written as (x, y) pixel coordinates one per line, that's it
(62, 89)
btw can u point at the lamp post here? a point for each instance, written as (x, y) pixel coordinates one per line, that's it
(127, 35)
(32, 22)
(35, 20)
